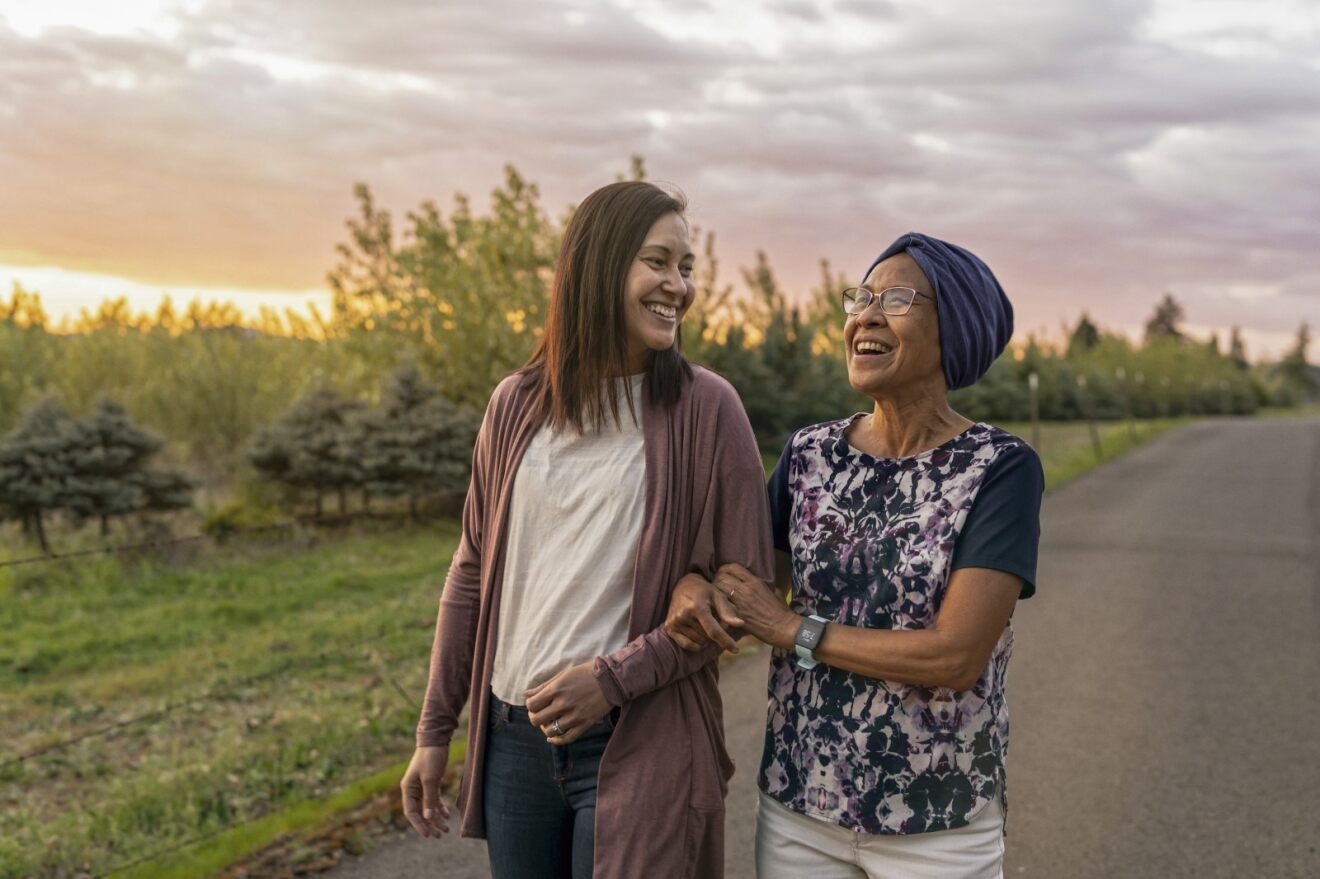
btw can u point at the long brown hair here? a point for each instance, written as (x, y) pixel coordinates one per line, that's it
(584, 347)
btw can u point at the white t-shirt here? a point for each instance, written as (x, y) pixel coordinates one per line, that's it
(575, 519)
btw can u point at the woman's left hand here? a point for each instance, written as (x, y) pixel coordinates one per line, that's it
(573, 698)
(761, 612)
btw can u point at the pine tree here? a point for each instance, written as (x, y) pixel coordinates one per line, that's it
(1166, 322)
(1294, 368)
(1084, 337)
(108, 450)
(163, 490)
(36, 465)
(1237, 351)
(313, 447)
(417, 442)
(111, 475)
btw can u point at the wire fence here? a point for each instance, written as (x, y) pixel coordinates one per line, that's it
(157, 716)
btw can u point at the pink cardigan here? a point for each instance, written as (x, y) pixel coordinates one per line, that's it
(664, 774)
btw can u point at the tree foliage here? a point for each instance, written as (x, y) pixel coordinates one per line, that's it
(464, 295)
(1166, 322)
(110, 472)
(1085, 336)
(98, 468)
(416, 442)
(456, 299)
(315, 446)
(36, 466)
(1294, 371)
(1237, 350)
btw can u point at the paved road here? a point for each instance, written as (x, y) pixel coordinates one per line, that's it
(1166, 684)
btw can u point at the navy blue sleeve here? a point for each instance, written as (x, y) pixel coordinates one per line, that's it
(781, 498)
(1002, 530)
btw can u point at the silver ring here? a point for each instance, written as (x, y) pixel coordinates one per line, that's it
(556, 728)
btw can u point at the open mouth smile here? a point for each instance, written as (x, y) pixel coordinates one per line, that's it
(668, 312)
(872, 347)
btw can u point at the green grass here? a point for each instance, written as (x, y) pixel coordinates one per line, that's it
(309, 658)
(213, 855)
(1067, 450)
(210, 857)
(1306, 410)
(295, 652)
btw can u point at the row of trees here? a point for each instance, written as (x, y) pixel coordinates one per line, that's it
(414, 444)
(1104, 375)
(467, 294)
(461, 294)
(97, 468)
(206, 379)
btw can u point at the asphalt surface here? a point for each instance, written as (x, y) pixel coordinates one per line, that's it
(1165, 691)
(1165, 687)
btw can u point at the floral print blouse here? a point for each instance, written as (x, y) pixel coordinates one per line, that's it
(873, 542)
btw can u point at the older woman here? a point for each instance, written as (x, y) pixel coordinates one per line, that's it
(907, 536)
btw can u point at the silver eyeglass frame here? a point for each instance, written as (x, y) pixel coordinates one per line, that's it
(862, 297)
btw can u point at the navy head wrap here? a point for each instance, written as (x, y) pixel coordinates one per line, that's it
(976, 318)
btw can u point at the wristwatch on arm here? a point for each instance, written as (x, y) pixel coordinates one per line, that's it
(808, 639)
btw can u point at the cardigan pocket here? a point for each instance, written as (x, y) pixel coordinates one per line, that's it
(710, 777)
(703, 844)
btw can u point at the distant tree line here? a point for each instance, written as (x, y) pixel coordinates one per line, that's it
(456, 299)
(1104, 375)
(479, 284)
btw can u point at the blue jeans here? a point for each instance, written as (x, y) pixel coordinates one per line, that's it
(540, 799)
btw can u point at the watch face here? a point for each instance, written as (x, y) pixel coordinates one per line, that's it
(809, 636)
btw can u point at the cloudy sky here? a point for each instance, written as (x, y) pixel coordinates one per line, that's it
(1097, 154)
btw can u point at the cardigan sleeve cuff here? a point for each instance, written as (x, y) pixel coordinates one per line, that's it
(646, 664)
(609, 683)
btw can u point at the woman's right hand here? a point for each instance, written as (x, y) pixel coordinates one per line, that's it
(422, 805)
(699, 614)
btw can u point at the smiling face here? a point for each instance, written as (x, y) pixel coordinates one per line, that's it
(658, 289)
(887, 354)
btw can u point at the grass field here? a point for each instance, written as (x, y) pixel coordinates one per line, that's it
(1306, 410)
(1067, 450)
(300, 665)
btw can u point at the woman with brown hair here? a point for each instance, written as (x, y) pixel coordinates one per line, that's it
(606, 469)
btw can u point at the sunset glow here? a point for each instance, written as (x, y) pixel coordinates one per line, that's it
(1097, 155)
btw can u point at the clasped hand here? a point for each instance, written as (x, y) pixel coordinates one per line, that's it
(702, 612)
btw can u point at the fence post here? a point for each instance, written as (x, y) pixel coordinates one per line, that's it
(1084, 399)
(1121, 375)
(1033, 385)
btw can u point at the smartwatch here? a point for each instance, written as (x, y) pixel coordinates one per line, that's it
(808, 639)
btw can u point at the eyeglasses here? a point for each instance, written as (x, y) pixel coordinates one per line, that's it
(896, 301)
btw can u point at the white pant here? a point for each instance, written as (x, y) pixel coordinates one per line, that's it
(793, 846)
